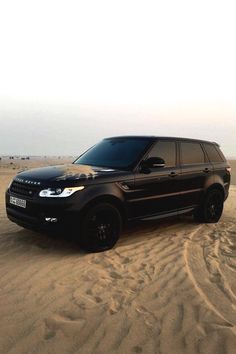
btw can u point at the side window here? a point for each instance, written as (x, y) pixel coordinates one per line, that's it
(166, 150)
(191, 153)
(212, 153)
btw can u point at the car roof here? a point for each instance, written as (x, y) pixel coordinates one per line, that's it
(154, 137)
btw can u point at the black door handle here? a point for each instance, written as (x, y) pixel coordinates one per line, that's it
(206, 170)
(173, 174)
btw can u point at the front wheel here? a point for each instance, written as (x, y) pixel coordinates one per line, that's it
(101, 228)
(211, 208)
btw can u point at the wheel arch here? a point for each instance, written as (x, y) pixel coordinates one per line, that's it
(218, 186)
(110, 199)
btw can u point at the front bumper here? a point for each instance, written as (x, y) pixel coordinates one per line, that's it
(37, 210)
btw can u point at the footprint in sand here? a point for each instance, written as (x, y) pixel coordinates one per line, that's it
(68, 323)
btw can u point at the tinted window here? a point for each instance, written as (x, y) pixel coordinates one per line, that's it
(166, 150)
(212, 153)
(115, 153)
(192, 153)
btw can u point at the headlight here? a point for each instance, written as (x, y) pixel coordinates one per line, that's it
(59, 192)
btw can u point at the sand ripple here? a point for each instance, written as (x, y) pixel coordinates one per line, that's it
(167, 287)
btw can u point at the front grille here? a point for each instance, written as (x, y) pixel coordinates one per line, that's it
(24, 189)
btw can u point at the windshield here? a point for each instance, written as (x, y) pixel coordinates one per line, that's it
(120, 153)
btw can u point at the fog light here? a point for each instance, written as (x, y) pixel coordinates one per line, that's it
(51, 219)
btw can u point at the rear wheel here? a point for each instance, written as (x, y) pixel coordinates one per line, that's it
(101, 228)
(211, 208)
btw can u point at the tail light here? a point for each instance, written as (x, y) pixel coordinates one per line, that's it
(228, 169)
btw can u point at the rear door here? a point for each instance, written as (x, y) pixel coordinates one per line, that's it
(157, 192)
(195, 169)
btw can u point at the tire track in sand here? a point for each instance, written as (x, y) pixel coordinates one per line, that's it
(201, 257)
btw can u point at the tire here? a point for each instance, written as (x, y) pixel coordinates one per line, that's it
(211, 208)
(101, 228)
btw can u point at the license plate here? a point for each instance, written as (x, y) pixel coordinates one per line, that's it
(18, 202)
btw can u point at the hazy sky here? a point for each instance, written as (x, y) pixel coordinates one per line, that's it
(73, 72)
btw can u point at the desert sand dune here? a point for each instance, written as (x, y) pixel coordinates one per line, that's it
(167, 287)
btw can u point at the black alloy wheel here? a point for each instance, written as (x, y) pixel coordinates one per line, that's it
(101, 228)
(212, 207)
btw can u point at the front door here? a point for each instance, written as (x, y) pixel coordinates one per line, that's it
(157, 192)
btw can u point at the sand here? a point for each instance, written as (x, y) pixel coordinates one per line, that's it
(167, 287)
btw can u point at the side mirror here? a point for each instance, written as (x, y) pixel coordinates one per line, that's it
(152, 162)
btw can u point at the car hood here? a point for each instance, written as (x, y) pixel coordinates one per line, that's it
(73, 173)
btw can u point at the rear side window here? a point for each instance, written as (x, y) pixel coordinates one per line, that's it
(191, 153)
(166, 150)
(213, 154)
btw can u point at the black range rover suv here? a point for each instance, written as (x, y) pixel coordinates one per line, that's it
(120, 179)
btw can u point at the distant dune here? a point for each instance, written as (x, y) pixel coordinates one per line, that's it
(18, 164)
(168, 287)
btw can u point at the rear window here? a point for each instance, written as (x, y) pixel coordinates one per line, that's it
(191, 153)
(213, 154)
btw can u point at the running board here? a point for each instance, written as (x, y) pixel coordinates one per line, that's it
(174, 213)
